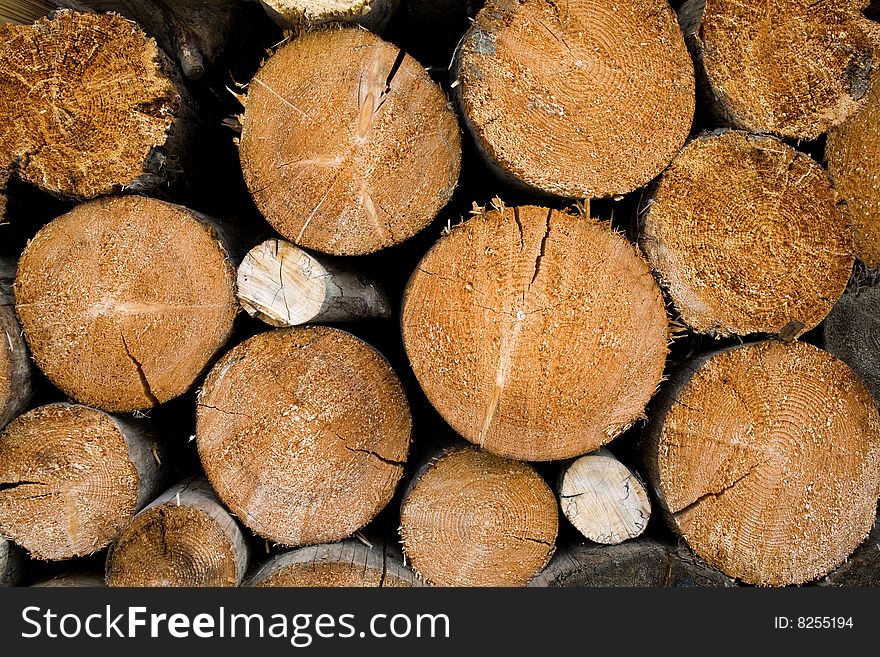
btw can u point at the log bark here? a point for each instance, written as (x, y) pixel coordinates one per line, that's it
(22, 12)
(603, 499)
(862, 567)
(303, 433)
(638, 563)
(766, 459)
(852, 333)
(73, 579)
(184, 538)
(374, 174)
(89, 106)
(12, 563)
(125, 300)
(372, 14)
(72, 476)
(589, 99)
(787, 67)
(518, 333)
(348, 563)
(470, 518)
(746, 235)
(16, 371)
(283, 285)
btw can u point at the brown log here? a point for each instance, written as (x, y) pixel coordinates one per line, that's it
(766, 458)
(73, 579)
(783, 66)
(12, 563)
(862, 567)
(746, 235)
(349, 563)
(72, 476)
(347, 145)
(124, 300)
(470, 518)
(852, 333)
(183, 538)
(592, 98)
(372, 14)
(303, 433)
(518, 331)
(16, 371)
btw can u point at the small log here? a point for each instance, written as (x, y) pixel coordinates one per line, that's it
(372, 14)
(283, 285)
(862, 567)
(73, 579)
(517, 330)
(470, 518)
(766, 459)
(12, 563)
(184, 538)
(604, 499)
(124, 300)
(371, 177)
(72, 476)
(783, 66)
(303, 433)
(16, 371)
(746, 235)
(853, 155)
(88, 106)
(589, 99)
(639, 563)
(852, 333)
(348, 563)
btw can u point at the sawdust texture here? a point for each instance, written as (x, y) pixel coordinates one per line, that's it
(476, 519)
(86, 104)
(124, 300)
(584, 98)
(746, 234)
(67, 483)
(536, 334)
(767, 458)
(303, 433)
(347, 145)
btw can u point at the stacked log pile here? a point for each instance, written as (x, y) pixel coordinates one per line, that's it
(297, 293)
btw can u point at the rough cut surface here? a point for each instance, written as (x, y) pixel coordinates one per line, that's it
(471, 518)
(303, 433)
(347, 145)
(587, 98)
(372, 14)
(767, 459)
(862, 568)
(852, 333)
(124, 301)
(519, 331)
(746, 234)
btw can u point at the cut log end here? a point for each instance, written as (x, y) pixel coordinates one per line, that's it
(372, 14)
(852, 333)
(746, 235)
(517, 331)
(767, 460)
(475, 519)
(303, 433)
(375, 172)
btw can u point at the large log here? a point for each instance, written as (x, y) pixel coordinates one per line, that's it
(183, 538)
(372, 14)
(303, 433)
(72, 476)
(746, 235)
(592, 98)
(852, 333)
(16, 371)
(371, 175)
(470, 518)
(766, 458)
(520, 333)
(124, 300)
(12, 562)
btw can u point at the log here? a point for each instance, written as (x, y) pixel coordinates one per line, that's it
(371, 14)
(125, 300)
(589, 99)
(371, 177)
(746, 235)
(517, 330)
(638, 563)
(788, 67)
(283, 285)
(16, 372)
(303, 433)
(348, 563)
(604, 499)
(183, 538)
(12, 563)
(22, 12)
(89, 106)
(862, 568)
(766, 458)
(73, 579)
(852, 333)
(471, 518)
(852, 156)
(72, 476)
